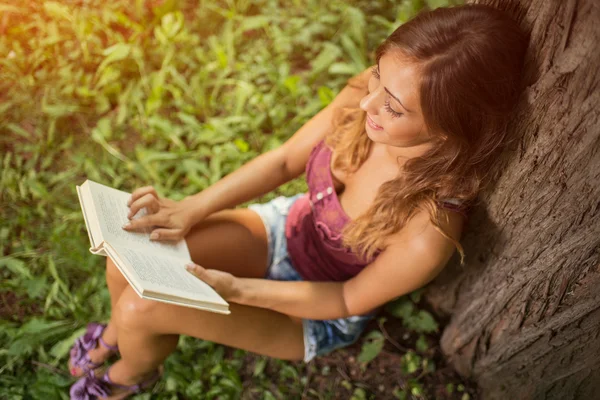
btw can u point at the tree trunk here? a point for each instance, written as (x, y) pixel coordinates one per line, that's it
(525, 312)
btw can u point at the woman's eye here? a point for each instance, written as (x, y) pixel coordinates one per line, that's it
(389, 109)
(375, 72)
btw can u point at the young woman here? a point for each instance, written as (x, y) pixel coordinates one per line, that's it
(392, 165)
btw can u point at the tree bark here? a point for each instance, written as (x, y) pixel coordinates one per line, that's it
(525, 312)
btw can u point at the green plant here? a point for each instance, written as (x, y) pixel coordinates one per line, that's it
(172, 93)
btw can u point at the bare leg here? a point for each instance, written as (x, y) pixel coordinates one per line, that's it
(148, 331)
(116, 285)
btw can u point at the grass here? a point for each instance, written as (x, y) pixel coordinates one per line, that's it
(176, 94)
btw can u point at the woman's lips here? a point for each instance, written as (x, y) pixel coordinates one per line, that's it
(373, 124)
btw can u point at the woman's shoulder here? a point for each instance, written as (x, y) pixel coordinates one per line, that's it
(421, 243)
(421, 225)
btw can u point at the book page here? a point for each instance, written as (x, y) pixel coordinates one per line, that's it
(164, 274)
(111, 209)
(89, 218)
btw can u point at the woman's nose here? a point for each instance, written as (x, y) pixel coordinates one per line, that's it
(369, 103)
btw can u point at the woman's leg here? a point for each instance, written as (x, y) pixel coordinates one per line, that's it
(231, 240)
(116, 285)
(147, 332)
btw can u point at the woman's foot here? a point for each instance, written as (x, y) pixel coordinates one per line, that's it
(90, 350)
(98, 385)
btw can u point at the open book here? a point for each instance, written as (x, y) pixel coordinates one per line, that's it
(155, 270)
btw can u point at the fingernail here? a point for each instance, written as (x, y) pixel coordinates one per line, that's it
(127, 226)
(153, 236)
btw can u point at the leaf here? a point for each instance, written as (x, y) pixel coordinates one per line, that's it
(242, 145)
(355, 19)
(433, 4)
(259, 367)
(103, 128)
(16, 266)
(326, 95)
(117, 52)
(5, 8)
(57, 10)
(423, 322)
(51, 295)
(291, 83)
(61, 348)
(254, 22)
(171, 23)
(36, 286)
(57, 110)
(371, 347)
(39, 326)
(406, 10)
(326, 57)
(415, 295)
(268, 396)
(243, 91)
(189, 120)
(410, 362)
(356, 54)
(359, 394)
(416, 390)
(401, 308)
(343, 69)
(421, 344)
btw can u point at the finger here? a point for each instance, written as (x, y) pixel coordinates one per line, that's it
(166, 234)
(144, 222)
(198, 272)
(148, 201)
(140, 192)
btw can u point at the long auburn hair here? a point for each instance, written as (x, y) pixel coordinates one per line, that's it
(470, 60)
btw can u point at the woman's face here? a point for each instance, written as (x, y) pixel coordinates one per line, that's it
(393, 110)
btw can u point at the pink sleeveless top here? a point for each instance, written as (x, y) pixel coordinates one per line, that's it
(314, 226)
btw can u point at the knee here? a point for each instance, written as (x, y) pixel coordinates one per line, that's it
(133, 312)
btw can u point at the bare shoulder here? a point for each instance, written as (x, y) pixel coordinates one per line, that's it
(423, 236)
(412, 257)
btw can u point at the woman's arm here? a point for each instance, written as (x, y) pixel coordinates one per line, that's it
(413, 257)
(274, 168)
(172, 220)
(312, 300)
(422, 258)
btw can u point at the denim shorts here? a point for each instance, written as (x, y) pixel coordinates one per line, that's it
(320, 336)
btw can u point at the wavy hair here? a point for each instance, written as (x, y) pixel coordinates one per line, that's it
(469, 60)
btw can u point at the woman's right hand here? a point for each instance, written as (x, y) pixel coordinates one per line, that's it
(170, 220)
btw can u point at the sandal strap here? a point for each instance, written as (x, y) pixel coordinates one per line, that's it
(85, 362)
(90, 340)
(138, 387)
(108, 346)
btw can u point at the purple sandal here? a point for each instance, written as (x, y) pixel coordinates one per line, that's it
(92, 387)
(79, 357)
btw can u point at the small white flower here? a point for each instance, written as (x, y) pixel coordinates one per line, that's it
(12, 54)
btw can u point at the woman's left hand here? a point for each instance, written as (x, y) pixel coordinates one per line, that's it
(223, 282)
